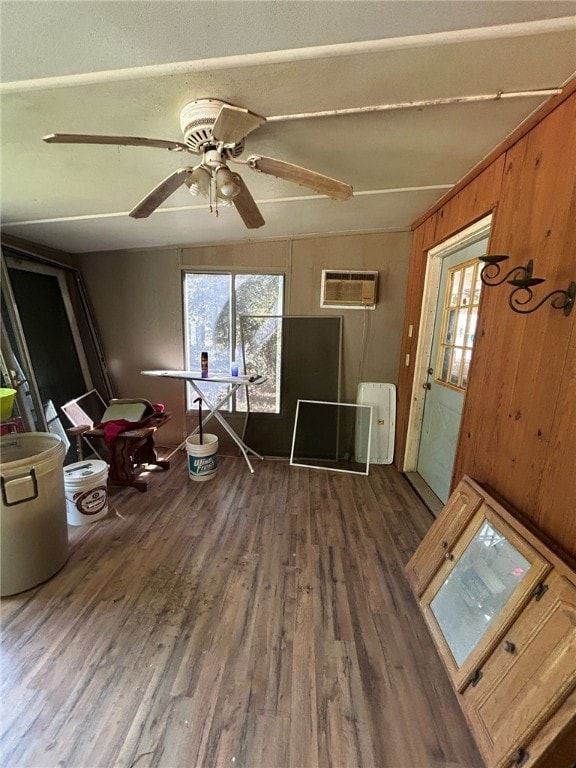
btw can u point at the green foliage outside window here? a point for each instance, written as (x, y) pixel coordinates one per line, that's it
(219, 308)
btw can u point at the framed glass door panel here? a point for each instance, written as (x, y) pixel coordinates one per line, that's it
(53, 344)
(489, 574)
(477, 589)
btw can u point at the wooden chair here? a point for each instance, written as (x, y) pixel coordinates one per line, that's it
(130, 452)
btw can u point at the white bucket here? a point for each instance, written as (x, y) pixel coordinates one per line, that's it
(33, 530)
(202, 459)
(86, 492)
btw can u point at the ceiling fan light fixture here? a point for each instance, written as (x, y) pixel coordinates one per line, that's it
(199, 181)
(227, 186)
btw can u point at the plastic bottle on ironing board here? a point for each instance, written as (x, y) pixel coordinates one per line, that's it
(204, 365)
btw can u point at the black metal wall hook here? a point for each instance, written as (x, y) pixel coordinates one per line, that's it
(523, 282)
(522, 295)
(490, 273)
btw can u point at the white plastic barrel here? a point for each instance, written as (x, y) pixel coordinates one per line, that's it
(86, 491)
(202, 458)
(33, 530)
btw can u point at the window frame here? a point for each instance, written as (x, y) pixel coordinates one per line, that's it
(446, 309)
(232, 273)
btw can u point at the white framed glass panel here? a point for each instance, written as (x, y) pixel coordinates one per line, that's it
(332, 436)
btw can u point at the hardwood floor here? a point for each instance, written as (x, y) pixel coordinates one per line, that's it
(252, 621)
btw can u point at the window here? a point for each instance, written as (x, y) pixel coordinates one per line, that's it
(218, 308)
(459, 324)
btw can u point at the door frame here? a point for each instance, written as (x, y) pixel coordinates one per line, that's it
(38, 421)
(13, 262)
(434, 260)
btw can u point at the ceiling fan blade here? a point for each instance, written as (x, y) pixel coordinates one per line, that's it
(137, 141)
(234, 123)
(160, 193)
(246, 207)
(303, 176)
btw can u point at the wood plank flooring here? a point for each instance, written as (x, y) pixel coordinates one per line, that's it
(252, 621)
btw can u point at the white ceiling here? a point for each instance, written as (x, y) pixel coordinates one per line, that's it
(129, 68)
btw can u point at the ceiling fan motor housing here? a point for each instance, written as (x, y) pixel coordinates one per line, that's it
(196, 121)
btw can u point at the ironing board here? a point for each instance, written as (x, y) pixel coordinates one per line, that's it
(195, 379)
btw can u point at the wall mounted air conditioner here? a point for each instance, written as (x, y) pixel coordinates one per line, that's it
(350, 289)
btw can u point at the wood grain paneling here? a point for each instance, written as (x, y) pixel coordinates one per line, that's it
(137, 300)
(558, 483)
(136, 297)
(474, 202)
(270, 254)
(517, 433)
(371, 338)
(512, 409)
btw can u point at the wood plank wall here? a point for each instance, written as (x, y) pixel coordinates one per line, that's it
(518, 431)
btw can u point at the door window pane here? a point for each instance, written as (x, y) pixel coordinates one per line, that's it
(471, 328)
(445, 363)
(455, 288)
(461, 327)
(450, 327)
(477, 287)
(467, 285)
(455, 367)
(460, 316)
(466, 367)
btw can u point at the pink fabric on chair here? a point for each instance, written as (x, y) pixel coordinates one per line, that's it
(115, 427)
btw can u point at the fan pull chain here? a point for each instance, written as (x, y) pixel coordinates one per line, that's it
(213, 199)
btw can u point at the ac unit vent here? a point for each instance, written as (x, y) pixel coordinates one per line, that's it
(348, 290)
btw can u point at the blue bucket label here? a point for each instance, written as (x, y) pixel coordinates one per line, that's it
(202, 465)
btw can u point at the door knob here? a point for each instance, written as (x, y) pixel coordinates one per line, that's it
(427, 385)
(520, 757)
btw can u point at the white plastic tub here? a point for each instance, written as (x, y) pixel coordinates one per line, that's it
(85, 485)
(202, 458)
(33, 529)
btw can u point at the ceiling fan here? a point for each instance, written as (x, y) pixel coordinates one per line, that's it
(216, 130)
